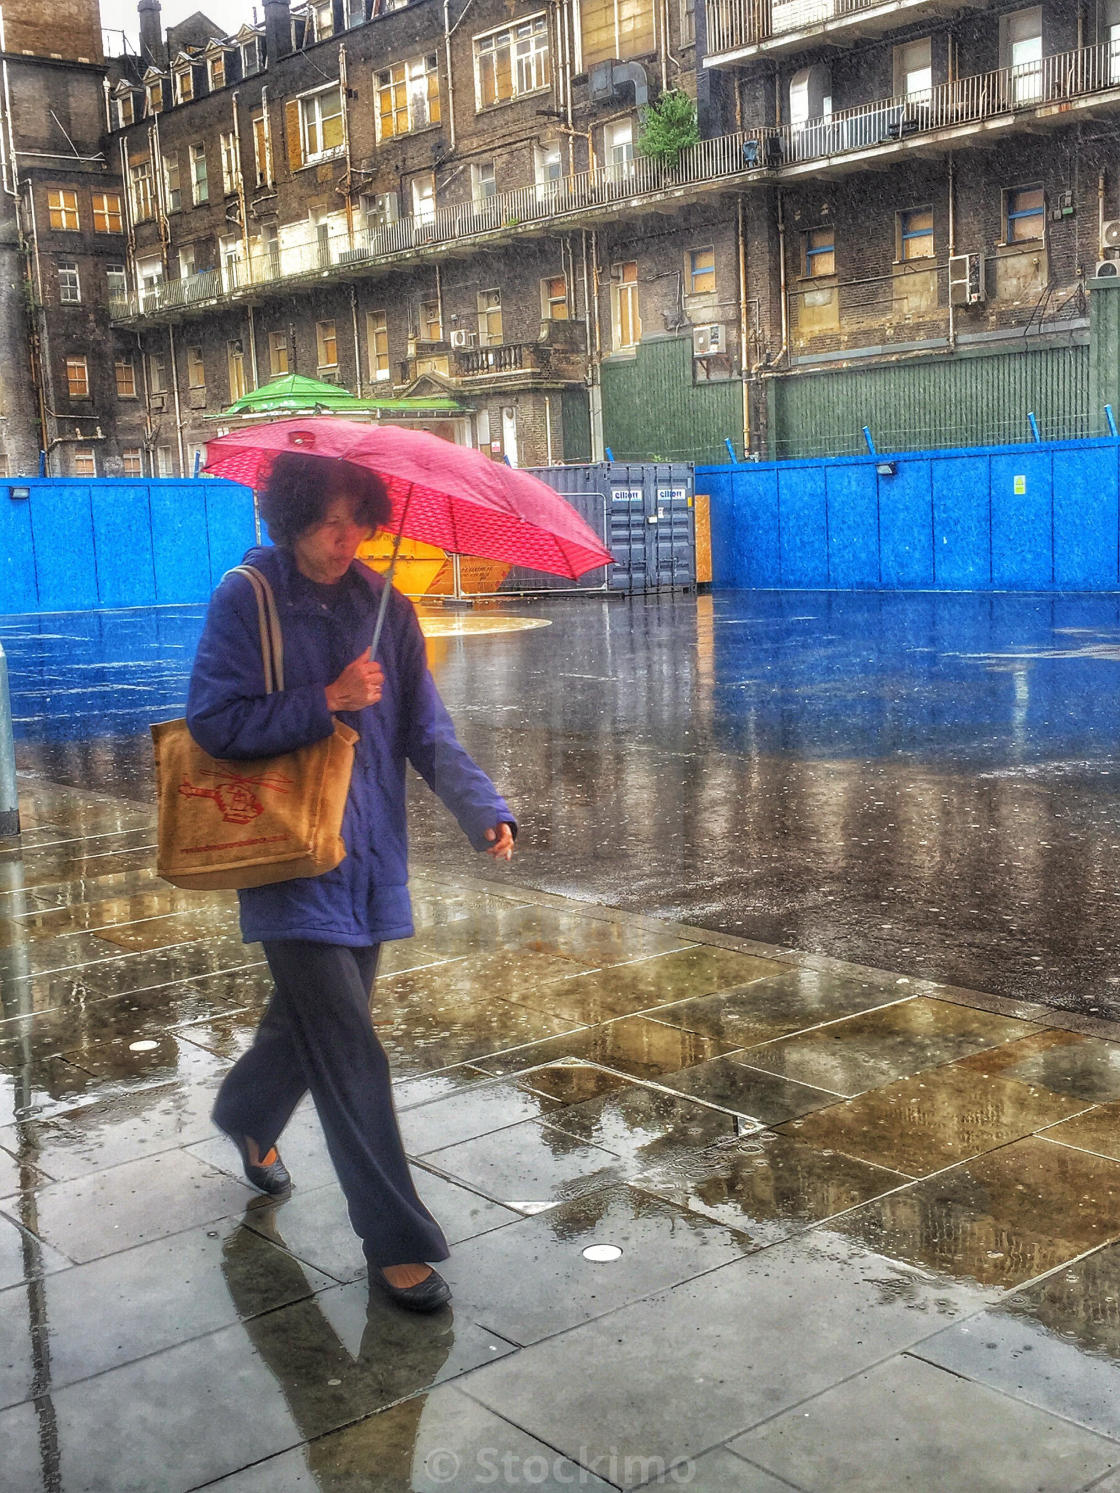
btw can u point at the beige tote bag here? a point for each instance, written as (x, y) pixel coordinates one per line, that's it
(233, 824)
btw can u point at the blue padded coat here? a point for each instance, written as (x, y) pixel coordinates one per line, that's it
(365, 899)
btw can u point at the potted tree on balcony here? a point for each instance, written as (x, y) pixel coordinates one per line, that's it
(668, 127)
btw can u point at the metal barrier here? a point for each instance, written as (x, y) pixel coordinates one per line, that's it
(9, 796)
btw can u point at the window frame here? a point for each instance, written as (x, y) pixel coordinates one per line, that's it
(626, 306)
(172, 188)
(106, 213)
(153, 98)
(235, 369)
(77, 377)
(216, 62)
(278, 343)
(325, 341)
(489, 334)
(227, 151)
(694, 270)
(200, 181)
(377, 347)
(550, 299)
(810, 252)
(111, 272)
(311, 102)
(126, 109)
(84, 461)
(63, 211)
(73, 281)
(527, 74)
(132, 453)
(402, 92)
(196, 367)
(184, 74)
(905, 234)
(262, 149)
(126, 387)
(141, 183)
(1014, 215)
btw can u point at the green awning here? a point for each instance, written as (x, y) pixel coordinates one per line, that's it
(295, 395)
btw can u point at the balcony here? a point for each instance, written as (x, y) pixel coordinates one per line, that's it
(505, 359)
(1054, 91)
(739, 30)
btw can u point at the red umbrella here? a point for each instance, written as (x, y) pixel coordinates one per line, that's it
(446, 495)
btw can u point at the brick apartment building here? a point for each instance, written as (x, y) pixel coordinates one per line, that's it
(894, 216)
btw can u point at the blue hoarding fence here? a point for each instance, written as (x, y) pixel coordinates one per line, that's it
(1038, 517)
(69, 545)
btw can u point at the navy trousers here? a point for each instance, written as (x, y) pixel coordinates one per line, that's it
(317, 1034)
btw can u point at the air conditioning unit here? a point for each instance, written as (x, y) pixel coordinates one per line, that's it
(462, 338)
(707, 340)
(1110, 234)
(1107, 269)
(158, 401)
(966, 279)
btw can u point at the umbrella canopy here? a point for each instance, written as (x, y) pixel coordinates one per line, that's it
(446, 495)
(293, 392)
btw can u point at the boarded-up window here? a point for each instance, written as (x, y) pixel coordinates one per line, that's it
(616, 28)
(407, 97)
(377, 336)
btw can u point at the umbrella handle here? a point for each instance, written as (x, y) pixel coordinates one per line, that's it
(383, 605)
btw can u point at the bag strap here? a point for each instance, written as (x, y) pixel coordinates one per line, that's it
(268, 618)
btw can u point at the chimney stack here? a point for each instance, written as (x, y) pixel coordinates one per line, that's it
(277, 29)
(152, 48)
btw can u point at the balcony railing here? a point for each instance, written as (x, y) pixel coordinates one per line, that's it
(509, 357)
(1056, 80)
(736, 24)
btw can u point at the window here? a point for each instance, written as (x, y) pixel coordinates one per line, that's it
(377, 338)
(431, 323)
(62, 207)
(277, 353)
(172, 194)
(554, 298)
(618, 149)
(229, 254)
(262, 155)
(126, 110)
(132, 459)
(235, 362)
(106, 212)
(915, 233)
(227, 142)
(149, 271)
(1020, 37)
(85, 462)
(701, 271)
(77, 378)
(250, 57)
(326, 344)
(381, 210)
(626, 322)
(184, 85)
(547, 170)
(407, 97)
(615, 28)
(424, 197)
(818, 252)
(484, 184)
(216, 69)
(810, 95)
(490, 318)
(116, 282)
(200, 184)
(153, 95)
(157, 374)
(186, 261)
(125, 371)
(165, 467)
(142, 201)
(196, 369)
(322, 15)
(913, 70)
(1025, 213)
(320, 123)
(511, 62)
(688, 22)
(69, 286)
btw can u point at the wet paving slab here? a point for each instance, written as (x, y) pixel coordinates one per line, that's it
(724, 1212)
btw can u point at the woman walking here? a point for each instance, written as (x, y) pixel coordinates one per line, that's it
(321, 935)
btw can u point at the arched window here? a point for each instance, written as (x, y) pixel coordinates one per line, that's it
(810, 94)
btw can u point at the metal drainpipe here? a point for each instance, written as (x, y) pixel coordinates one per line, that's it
(569, 62)
(348, 177)
(357, 344)
(253, 346)
(9, 128)
(155, 151)
(270, 167)
(44, 340)
(1100, 212)
(782, 277)
(744, 354)
(591, 301)
(240, 182)
(178, 409)
(952, 251)
(450, 79)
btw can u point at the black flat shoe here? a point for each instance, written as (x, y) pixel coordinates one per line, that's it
(272, 1179)
(427, 1295)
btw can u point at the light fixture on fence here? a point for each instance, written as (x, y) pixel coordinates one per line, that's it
(887, 468)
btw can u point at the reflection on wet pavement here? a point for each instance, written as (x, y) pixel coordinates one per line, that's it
(861, 1230)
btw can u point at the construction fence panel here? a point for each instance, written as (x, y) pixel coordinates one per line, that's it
(1039, 517)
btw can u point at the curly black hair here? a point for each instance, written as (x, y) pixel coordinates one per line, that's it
(300, 487)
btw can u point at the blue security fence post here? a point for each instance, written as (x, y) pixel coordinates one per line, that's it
(1033, 423)
(730, 447)
(9, 797)
(870, 443)
(1111, 418)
